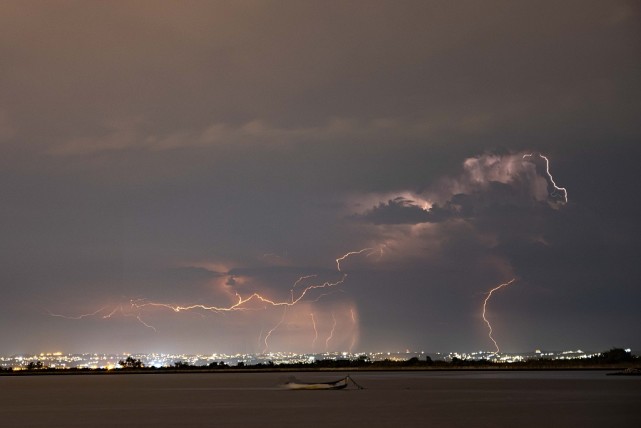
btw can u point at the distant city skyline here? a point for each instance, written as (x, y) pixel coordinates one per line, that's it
(62, 361)
(309, 177)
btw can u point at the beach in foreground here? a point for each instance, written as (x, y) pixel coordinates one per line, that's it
(451, 398)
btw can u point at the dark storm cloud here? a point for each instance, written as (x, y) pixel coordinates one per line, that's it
(191, 273)
(558, 252)
(488, 182)
(150, 73)
(150, 149)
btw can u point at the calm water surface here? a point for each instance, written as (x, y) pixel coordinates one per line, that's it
(391, 399)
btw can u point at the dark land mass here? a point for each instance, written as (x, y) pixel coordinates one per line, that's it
(615, 359)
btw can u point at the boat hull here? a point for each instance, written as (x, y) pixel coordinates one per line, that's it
(339, 384)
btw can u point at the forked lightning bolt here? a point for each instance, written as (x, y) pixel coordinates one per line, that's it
(242, 302)
(487, 299)
(118, 308)
(298, 281)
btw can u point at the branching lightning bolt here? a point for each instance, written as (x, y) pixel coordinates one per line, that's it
(487, 299)
(557, 189)
(240, 305)
(298, 294)
(298, 281)
(118, 308)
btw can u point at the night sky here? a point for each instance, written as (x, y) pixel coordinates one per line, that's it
(159, 154)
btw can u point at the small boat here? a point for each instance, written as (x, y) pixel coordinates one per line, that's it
(627, 372)
(337, 384)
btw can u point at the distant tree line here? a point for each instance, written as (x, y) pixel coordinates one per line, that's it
(35, 365)
(613, 356)
(131, 363)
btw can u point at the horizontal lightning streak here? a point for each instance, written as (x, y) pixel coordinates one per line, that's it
(352, 253)
(135, 307)
(239, 305)
(78, 317)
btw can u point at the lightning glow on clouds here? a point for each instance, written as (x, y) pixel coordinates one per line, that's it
(479, 176)
(406, 226)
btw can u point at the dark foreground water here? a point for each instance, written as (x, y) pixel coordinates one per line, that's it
(391, 399)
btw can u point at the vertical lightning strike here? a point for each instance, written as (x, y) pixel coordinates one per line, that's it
(353, 342)
(315, 330)
(269, 333)
(260, 336)
(145, 324)
(557, 189)
(120, 309)
(331, 333)
(487, 298)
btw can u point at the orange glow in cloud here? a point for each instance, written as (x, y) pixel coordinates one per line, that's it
(304, 292)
